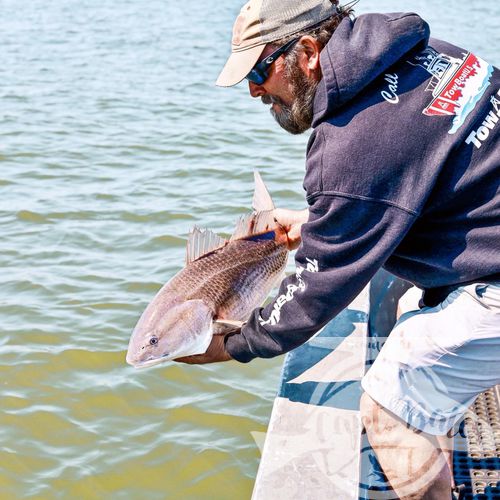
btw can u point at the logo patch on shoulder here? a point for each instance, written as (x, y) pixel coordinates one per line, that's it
(456, 84)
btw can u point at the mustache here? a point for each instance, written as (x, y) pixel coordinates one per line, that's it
(297, 116)
(271, 99)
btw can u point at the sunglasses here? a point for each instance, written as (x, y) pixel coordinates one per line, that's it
(260, 72)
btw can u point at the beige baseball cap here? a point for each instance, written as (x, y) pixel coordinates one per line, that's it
(263, 21)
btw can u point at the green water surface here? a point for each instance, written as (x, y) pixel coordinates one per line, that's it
(114, 141)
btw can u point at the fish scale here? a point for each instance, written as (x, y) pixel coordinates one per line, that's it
(231, 274)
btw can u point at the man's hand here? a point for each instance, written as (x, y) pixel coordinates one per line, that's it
(216, 352)
(291, 221)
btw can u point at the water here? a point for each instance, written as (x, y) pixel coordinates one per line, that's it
(113, 143)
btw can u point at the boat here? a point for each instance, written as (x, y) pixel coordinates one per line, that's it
(315, 446)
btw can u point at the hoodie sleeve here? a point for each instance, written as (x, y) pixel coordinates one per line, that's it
(345, 241)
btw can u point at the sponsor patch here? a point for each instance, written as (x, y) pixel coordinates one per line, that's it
(478, 136)
(456, 84)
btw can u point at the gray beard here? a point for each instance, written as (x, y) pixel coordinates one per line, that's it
(297, 117)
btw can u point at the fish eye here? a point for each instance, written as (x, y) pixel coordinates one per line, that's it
(153, 340)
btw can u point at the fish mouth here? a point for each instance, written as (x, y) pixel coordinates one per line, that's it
(149, 362)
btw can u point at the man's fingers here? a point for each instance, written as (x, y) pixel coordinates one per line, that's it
(290, 218)
(291, 221)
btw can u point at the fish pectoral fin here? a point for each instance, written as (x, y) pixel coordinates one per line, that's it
(226, 326)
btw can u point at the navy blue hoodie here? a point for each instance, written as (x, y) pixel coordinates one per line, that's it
(402, 172)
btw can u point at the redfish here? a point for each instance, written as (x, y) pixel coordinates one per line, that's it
(222, 282)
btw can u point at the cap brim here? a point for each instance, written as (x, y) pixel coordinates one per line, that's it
(239, 65)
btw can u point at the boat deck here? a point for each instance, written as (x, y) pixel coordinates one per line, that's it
(476, 457)
(315, 446)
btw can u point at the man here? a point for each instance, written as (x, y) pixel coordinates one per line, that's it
(402, 173)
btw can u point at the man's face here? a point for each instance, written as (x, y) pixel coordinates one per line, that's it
(289, 92)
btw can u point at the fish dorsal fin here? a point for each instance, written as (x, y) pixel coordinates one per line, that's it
(200, 242)
(262, 200)
(254, 224)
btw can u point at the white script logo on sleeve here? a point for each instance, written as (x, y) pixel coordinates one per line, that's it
(312, 267)
(391, 95)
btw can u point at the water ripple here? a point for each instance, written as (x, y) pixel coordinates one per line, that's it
(114, 143)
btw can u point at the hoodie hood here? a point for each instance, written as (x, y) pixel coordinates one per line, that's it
(359, 51)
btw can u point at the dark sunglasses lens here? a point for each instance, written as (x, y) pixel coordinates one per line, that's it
(256, 77)
(259, 73)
